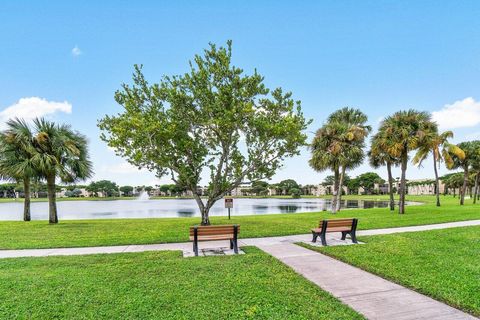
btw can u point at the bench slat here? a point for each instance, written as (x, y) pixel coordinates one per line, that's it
(210, 231)
(219, 227)
(213, 230)
(213, 237)
(335, 229)
(338, 222)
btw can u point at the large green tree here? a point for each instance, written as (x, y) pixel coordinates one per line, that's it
(287, 185)
(368, 180)
(259, 188)
(16, 158)
(126, 190)
(437, 145)
(213, 118)
(60, 153)
(405, 131)
(106, 187)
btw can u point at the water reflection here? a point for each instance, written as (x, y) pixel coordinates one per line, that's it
(189, 213)
(121, 209)
(288, 208)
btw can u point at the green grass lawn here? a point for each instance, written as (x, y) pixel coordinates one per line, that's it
(443, 264)
(39, 234)
(161, 285)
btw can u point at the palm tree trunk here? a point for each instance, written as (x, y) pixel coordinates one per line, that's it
(475, 194)
(390, 186)
(335, 190)
(26, 204)
(52, 205)
(464, 187)
(401, 205)
(340, 188)
(437, 181)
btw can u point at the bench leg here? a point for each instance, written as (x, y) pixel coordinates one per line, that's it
(235, 246)
(231, 244)
(353, 236)
(324, 240)
(344, 235)
(195, 248)
(315, 236)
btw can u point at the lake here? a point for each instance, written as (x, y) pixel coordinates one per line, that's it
(168, 208)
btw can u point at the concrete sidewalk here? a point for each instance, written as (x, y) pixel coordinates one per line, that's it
(186, 247)
(370, 295)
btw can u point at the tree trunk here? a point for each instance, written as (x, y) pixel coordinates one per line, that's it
(390, 186)
(205, 217)
(335, 190)
(26, 204)
(52, 204)
(475, 194)
(340, 189)
(204, 210)
(464, 186)
(401, 205)
(437, 181)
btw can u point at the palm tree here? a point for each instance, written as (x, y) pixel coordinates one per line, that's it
(441, 150)
(338, 146)
(453, 181)
(355, 131)
(378, 157)
(406, 132)
(61, 152)
(471, 149)
(475, 163)
(16, 154)
(326, 151)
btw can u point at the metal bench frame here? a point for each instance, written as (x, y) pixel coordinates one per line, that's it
(324, 232)
(233, 241)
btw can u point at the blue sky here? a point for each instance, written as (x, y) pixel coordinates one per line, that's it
(66, 59)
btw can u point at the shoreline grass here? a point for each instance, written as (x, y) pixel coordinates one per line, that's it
(80, 233)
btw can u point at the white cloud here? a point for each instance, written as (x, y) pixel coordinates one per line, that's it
(473, 136)
(33, 107)
(122, 168)
(76, 51)
(460, 114)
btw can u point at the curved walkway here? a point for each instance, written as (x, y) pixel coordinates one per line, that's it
(368, 294)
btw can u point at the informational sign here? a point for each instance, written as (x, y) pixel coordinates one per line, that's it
(228, 203)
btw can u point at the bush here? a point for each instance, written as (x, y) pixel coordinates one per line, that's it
(295, 193)
(69, 194)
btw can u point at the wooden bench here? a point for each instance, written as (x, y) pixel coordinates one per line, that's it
(345, 226)
(211, 233)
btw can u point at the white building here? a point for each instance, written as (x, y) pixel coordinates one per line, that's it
(423, 187)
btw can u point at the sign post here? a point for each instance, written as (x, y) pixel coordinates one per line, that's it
(228, 205)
